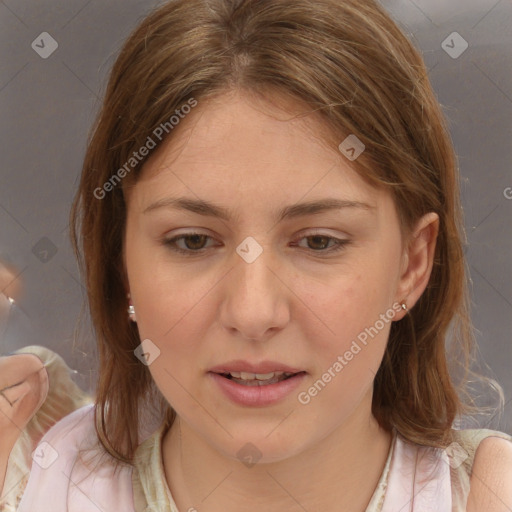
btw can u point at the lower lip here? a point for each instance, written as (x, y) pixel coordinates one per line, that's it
(257, 396)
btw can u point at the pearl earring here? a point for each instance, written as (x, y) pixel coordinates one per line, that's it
(131, 310)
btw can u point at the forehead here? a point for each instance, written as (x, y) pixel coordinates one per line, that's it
(235, 144)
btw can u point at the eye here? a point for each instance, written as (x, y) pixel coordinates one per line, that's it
(319, 242)
(195, 243)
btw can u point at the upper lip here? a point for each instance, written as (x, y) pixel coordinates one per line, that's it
(262, 367)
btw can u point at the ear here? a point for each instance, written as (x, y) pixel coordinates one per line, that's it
(418, 260)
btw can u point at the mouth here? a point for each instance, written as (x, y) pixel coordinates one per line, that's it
(262, 385)
(258, 379)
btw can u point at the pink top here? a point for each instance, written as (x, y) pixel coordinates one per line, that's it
(415, 478)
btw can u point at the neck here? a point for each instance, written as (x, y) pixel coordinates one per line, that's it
(340, 472)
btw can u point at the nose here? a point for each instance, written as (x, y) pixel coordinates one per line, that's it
(255, 302)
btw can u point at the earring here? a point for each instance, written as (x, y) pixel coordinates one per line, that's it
(131, 310)
(404, 306)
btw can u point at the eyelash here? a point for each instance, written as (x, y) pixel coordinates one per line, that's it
(340, 244)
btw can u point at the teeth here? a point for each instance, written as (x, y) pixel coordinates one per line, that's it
(258, 379)
(257, 376)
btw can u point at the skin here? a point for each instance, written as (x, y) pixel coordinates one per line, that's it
(24, 385)
(10, 287)
(10, 283)
(491, 478)
(291, 305)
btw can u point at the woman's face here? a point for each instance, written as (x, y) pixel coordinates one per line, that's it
(311, 291)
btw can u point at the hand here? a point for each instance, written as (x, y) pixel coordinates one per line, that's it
(10, 289)
(24, 386)
(10, 282)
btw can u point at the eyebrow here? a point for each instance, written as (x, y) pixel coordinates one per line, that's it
(206, 208)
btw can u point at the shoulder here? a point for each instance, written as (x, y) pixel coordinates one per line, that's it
(53, 459)
(491, 475)
(76, 424)
(63, 440)
(62, 481)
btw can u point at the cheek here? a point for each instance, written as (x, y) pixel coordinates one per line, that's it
(173, 317)
(343, 308)
(347, 346)
(163, 294)
(347, 334)
(173, 310)
(170, 316)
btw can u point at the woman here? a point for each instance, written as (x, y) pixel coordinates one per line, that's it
(270, 227)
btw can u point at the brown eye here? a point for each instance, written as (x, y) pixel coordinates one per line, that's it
(195, 242)
(320, 241)
(190, 243)
(323, 244)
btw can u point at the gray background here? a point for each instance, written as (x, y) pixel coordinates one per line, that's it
(47, 107)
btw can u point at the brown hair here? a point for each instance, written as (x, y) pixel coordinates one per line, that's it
(348, 62)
